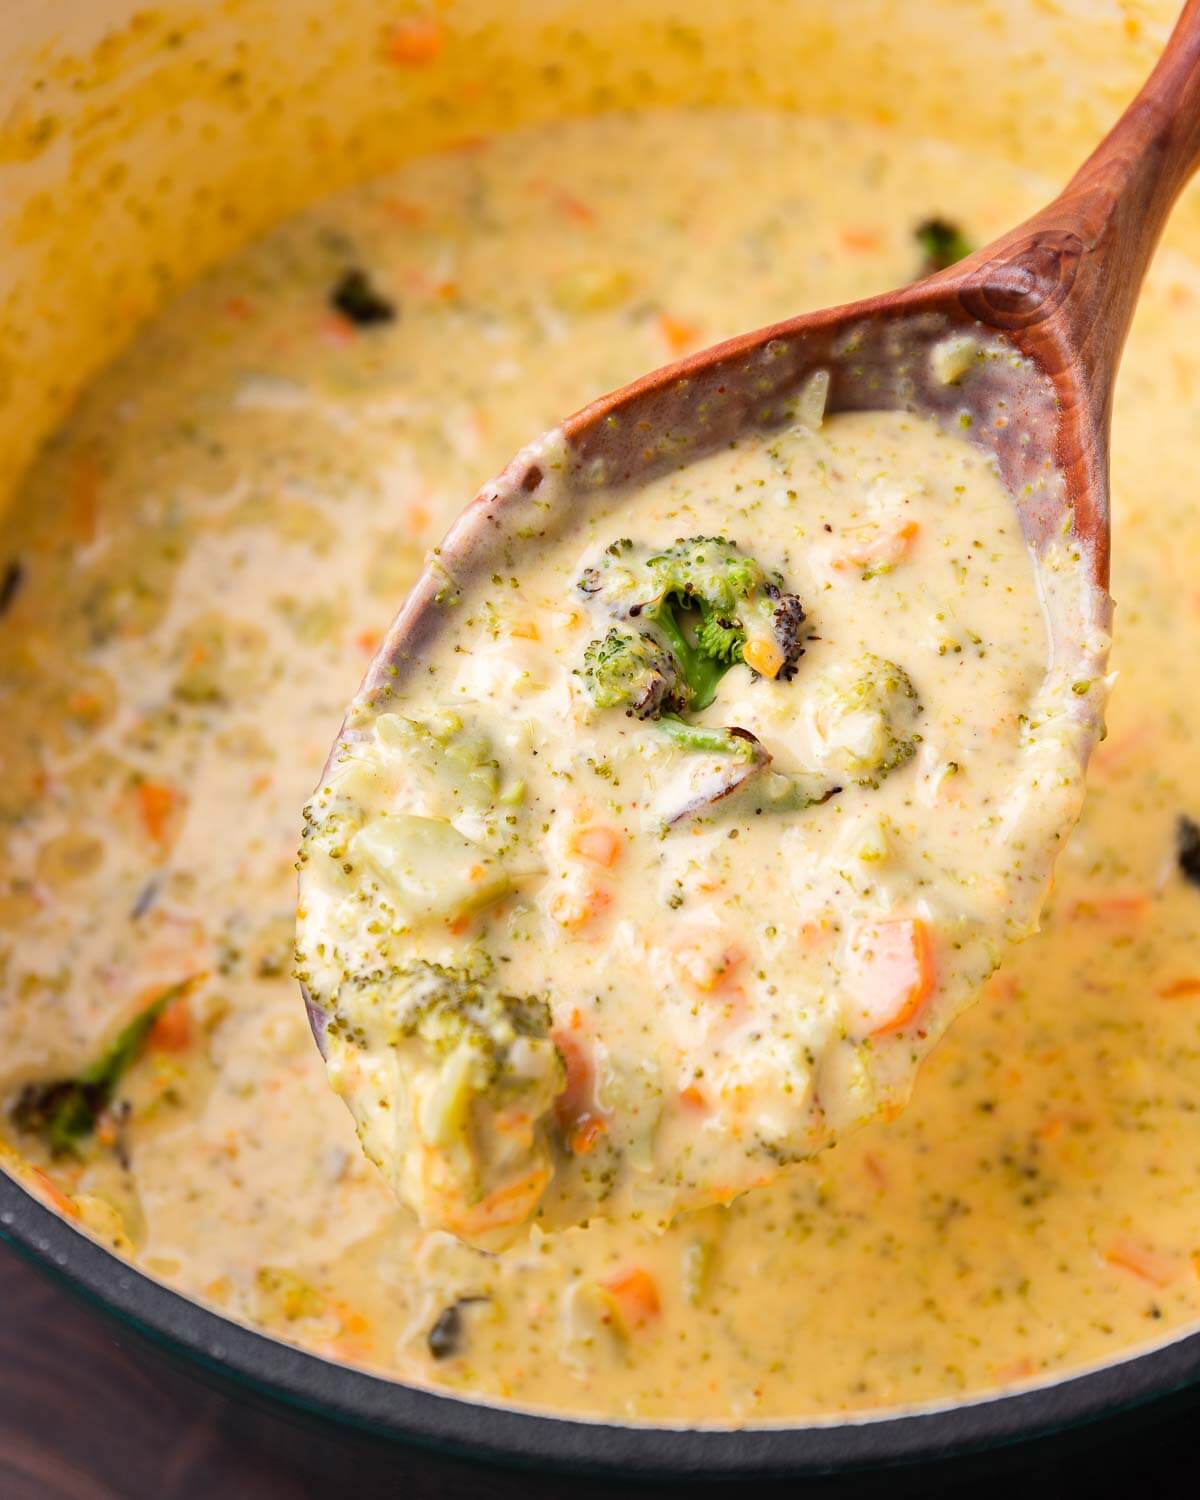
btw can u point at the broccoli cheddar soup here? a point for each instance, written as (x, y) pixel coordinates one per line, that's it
(644, 878)
(574, 1015)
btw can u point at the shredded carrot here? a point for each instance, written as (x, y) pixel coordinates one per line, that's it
(511, 1203)
(47, 1188)
(576, 1100)
(1143, 1262)
(635, 1297)
(861, 240)
(158, 803)
(574, 909)
(172, 1030)
(1128, 906)
(875, 1170)
(678, 335)
(85, 498)
(1181, 989)
(599, 845)
(895, 975)
(416, 43)
(706, 961)
(586, 1133)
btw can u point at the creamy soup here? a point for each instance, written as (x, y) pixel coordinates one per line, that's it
(203, 561)
(642, 879)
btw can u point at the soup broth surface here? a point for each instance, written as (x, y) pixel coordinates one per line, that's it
(203, 560)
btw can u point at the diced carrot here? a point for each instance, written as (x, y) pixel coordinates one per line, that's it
(1181, 989)
(158, 803)
(635, 1297)
(367, 641)
(693, 1098)
(678, 335)
(892, 975)
(404, 212)
(599, 845)
(1142, 1261)
(763, 656)
(861, 240)
(172, 1029)
(416, 43)
(456, 926)
(525, 630)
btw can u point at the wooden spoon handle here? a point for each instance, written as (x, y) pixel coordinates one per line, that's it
(1067, 280)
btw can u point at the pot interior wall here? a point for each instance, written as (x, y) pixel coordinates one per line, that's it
(137, 145)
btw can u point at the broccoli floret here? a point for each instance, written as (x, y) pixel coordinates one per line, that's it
(865, 714)
(453, 1088)
(942, 244)
(634, 672)
(711, 606)
(449, 1009)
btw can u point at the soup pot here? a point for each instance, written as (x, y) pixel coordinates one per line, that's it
(139, 146)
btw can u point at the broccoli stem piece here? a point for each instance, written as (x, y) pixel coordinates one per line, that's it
(701, 673)
(65, 1111)
(736, 742)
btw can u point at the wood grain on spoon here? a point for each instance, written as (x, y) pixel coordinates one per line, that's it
(1060, 288)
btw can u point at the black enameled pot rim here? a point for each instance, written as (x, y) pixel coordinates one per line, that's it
(405, 1413)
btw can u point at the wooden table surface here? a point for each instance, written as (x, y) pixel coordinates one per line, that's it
(86, 1414)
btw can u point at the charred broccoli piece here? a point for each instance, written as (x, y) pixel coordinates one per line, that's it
(865, 715)
(634, 672)
(708, 603)
(942, 244)
(66, 1111)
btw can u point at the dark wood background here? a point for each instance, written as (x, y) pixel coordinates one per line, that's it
(87, 1414)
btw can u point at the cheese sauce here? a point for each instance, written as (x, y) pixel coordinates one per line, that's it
(203, 560)
(540, 830)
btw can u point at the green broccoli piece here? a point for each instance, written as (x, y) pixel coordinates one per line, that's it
(451, 1009)
(942, 244)
(866, 714)
(710, 604)
(454, 1089)
(739, 743)
(634, 672)
(65, 1111)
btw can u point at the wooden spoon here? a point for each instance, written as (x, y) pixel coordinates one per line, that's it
(1047, 307)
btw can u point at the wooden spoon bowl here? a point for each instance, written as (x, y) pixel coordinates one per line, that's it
(1045, 309)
